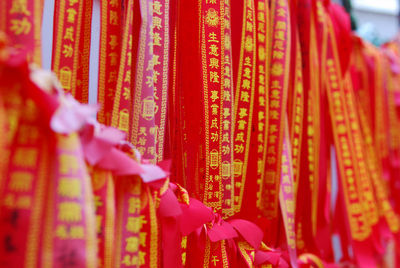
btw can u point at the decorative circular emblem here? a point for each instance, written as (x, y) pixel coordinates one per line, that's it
(212, 17)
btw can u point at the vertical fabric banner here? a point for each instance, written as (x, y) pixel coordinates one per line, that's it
(21, 20)
(69, 232)
(23, 189)
(227, 119)
(160, 62)
(278, 89)
(244, 101)
(121, 113)
(71, 46)
(262, 100)
(143, 131)
(104, 201)
(287, 198)
(128, 222)
(212, 55)
(109, 57)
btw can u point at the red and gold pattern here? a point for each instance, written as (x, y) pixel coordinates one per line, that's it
(121, 113)
(128, 223)
(104, 201)
(23, 188)
(244, 101)
(71, 46)
(227, 119)
(69, 219)
(213, 56)
(109, 57)
(261, 99)
(343, 138)
(21, 20)
(278, 90)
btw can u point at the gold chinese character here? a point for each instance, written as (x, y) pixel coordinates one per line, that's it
(156, 39)
(114, 3)
(246, 84)
(226, 124)
(25, 157)
(214, 136)
(126, 93)
(69, 187)
(112, 76)
(281, 12)
(247, 72)
(239, 148)
(289, 206)
(142, 141)
(214, 95)
(248, 45)
(212, 37)
(71, 13)
(276, 54)
(114, 19)
(132, 244)
(20, 7)
(279, 35)
(70, 211)
(24, 202)
(261, 101)
(261, 37)
(69, 34)
(113, 41)
(225, 137)
(68, 51)
(156, 23)
(280, 25)
(243, 113)
(21, 26)
(142, 239)
(249, 26)
(214, 77)
(157, 7)
(278, 44)
(240, 137)
(73, 2)
(130, 261)
(142, 259)
(214, 63)
(113, 58)
(61, 232)
(214, 50)
(134, 205)
(244, 96)
(225, 150)
(276, 69)
(77, 232)
(274, 104)
(21, 181)
(241, 124)
(214, 109)
(28, 134)
(68, 164)
(133, 224)
(214, 123)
